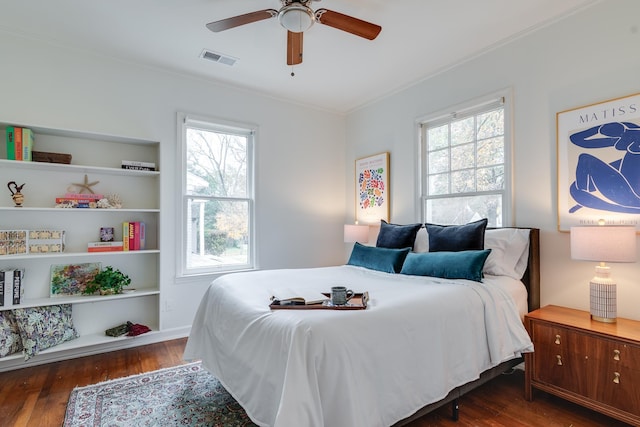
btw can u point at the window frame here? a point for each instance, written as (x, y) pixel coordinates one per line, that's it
(184, 122)
(470, 108)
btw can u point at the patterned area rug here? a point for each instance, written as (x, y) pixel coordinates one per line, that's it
(185, 395)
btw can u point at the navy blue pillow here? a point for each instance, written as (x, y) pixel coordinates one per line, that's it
(453, 238)
(397, 236)
(447, 265)
(381, 259)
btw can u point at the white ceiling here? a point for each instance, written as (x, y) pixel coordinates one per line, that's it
(340, 71)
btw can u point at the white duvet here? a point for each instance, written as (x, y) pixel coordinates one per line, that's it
(419, 338)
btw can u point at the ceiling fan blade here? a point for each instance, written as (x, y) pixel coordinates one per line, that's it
(294, 48)
(236, 21)
(348, 23)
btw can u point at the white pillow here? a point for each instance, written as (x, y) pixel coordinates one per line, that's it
(509, 252)
(421, 243)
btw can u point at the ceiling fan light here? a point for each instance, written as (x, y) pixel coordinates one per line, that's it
(296, 18)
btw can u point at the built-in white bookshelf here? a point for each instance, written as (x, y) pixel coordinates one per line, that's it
(98, 157)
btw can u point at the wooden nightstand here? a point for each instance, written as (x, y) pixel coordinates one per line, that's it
(594, 364)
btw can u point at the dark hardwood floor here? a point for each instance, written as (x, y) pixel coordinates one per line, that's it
(37, 396)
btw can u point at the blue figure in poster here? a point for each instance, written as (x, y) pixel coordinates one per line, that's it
(615, 186)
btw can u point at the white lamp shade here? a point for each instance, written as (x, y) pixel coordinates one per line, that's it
(604, 243)
(356, 233)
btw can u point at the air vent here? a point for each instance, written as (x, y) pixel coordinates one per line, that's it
(218, 57)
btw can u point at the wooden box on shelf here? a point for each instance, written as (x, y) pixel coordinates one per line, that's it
(43, 156)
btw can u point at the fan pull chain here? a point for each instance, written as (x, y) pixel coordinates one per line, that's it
(292, 73)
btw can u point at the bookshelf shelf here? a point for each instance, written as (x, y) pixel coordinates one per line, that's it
(59, 167)
(77, 254)
(35, 209)
(99, 157)
(83, 299)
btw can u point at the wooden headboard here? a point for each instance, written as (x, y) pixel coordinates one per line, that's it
(531, 278)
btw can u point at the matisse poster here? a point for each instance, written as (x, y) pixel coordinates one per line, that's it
(599, 163)
(372, 189)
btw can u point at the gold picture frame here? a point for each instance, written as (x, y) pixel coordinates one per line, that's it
(372, 188)
(599, 163)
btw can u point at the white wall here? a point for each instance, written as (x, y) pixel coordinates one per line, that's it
(589, 57)
(299, 153)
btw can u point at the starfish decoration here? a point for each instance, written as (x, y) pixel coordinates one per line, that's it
(86, 185)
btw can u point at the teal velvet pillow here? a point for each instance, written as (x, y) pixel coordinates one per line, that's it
(397, 236)
(467, 237)
(447, 265)
(381, 259)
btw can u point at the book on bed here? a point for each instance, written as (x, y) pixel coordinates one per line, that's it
(297, 297)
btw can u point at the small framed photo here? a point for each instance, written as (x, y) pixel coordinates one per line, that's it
(106, 234)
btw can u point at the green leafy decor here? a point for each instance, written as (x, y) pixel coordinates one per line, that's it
(108, 281)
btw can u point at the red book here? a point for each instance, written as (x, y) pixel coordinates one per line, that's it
(131, 236)
(78, 196)
(136, 235)
(17, 138)
(105, 249)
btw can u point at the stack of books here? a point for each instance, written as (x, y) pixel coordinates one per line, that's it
(19, 143)
(11, 286)
(138, 166)
(78, 200)
(134, 235)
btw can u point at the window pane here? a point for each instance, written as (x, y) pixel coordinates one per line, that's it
(491, 178)
(438, 137)
(462, 131)
(217, 233)
(462, 157)
(461, 210)
(439, 184)
(463, 181)
(491, 124)
(439, 161)
(491, 152)
(216, 164)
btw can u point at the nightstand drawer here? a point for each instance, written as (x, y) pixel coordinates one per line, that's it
(619, 388)
(617, 353)
(559, 357)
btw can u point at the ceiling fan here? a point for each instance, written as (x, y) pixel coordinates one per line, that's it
(296, 16)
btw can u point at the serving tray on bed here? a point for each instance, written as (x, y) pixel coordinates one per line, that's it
(358, 302)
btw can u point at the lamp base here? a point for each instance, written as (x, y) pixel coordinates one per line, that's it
(602, 292)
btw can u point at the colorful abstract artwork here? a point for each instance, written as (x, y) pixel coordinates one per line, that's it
(599, 164)
(372, 188)
(71, 279)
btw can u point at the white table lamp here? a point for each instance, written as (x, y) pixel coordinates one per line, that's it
(356, 233)
(603, 244)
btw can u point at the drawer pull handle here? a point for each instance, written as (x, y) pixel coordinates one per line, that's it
(560, 360)
(616, 354)
(616, 377)
(558, 339)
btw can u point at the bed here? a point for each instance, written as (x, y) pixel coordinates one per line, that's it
(422, 342)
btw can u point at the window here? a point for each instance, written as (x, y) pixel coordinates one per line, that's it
(465, 168)
(217, 196)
